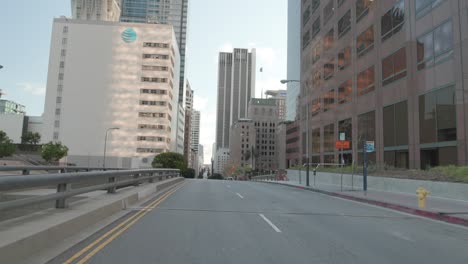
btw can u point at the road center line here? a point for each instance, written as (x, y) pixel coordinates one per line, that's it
(270, 223)
(242, 197)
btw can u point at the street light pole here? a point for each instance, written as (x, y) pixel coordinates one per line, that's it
(307, 126)
(105, 145)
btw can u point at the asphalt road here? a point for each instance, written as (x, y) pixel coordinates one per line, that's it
(213, 222)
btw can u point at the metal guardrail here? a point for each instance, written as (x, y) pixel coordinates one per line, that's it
(264, 178)
(26, 170)
(64, 181)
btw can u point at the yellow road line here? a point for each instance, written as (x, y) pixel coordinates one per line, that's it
(144, 209)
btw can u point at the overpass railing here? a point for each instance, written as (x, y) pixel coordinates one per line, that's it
(270, 177)
(26, 170)
(63, 182)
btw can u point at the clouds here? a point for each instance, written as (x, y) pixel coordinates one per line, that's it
(32, 88)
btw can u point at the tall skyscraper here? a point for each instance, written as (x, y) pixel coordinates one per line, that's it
(294, 57)
(195, 138)
(102, 10)
(236, 86)
(188, 124)
(173, 12)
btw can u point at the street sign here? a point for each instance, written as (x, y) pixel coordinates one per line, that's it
(342, 136)
(342, 144)
(370, 146)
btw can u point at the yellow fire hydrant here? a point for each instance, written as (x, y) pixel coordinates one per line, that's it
(422, 193)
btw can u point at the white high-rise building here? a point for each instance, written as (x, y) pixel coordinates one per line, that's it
(102, 10)
(106, 75)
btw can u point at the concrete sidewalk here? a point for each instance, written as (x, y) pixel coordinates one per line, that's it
(448, 210)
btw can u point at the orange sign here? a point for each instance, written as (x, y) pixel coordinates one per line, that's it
(342, 144)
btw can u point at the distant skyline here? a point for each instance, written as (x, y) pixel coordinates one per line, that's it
(213, 26)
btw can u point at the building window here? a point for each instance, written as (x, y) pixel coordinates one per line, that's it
(315, 5)
(153, 115)
(159, 103)
(316, 79)
(65, 29)
(344, 24)
(149, 150)
(394, 67)
(345, 92)
(365, 42)
(329, 138)
(316, 52)
(57, 123)
(316, 106)
(62, 64)
(328, 12)
(329, 100)
(63, 52)
(366, 81)
(344, 58)
(395, 124)
(329, 39)
(56, 135)
(392, 22)
(435, 46)
(437, 116)
(329, 69)
(305, 39)
(64, 41)
(57, 111)
(152, 127)
(362, 8)
(425, 6)
(58, 100)
(316, 27)
(60, 76)
(316, 141)
(306, 16)
(366, 127)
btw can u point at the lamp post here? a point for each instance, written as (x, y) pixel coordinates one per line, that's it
(307, 127)
(105, 145)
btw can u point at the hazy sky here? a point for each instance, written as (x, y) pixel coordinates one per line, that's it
(214, 25)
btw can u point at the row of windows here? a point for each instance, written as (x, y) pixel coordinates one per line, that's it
(154, 127)
(154, 68)
(149, 150)
(154, 79)
(159, 103)
(153, 139)
(437, 123)
(156, 56)
(153, 91)
(155, 45)
(152, 115)
(391, 22)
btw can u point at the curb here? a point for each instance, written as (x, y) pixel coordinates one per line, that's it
(423, 213)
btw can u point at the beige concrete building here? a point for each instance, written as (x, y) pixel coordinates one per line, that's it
(280, 96)
(264, 113)
(242, 143)
(391, 72)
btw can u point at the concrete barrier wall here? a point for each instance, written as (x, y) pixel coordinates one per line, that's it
(22, 239)
(449, 190)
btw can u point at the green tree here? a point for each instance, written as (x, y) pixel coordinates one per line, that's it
(7, 148)
(53, 151)
(171, 160)
(31, 138)
(188, 173)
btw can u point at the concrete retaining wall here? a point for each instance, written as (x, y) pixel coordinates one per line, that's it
(449, 190)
